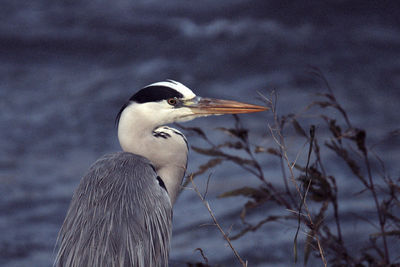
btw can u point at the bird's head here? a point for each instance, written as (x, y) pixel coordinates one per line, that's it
(170, 101)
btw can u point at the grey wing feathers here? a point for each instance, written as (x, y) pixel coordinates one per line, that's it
(119, 216)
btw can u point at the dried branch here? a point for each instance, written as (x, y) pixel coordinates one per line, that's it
(313, 183)
(242, 262)
(276, 134)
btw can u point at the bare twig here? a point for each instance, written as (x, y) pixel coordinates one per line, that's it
(281, 143)
(378, 208)
(304, 197)
(203, 255)
(320, 192)
(254, 228)
(205, 202)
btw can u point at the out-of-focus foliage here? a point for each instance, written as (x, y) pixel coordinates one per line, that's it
(311, 183)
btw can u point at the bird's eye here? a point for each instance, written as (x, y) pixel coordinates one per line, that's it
(172, 101)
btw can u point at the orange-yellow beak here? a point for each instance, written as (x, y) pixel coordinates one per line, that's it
(209, 106)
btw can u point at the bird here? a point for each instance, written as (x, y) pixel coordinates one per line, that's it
(121, 212)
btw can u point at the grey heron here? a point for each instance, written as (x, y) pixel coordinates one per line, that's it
(121, 212)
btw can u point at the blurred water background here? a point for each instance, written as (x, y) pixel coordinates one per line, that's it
(66, 67)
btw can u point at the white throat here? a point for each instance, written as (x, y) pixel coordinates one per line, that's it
(165, 147)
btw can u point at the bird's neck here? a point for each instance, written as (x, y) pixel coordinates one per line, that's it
(165, 149)
(172, 177)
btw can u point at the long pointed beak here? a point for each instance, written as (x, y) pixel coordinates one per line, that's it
(209, 106)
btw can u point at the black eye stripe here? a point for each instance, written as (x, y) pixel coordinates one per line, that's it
(155, 93)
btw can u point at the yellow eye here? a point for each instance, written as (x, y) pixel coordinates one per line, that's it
(172, 101)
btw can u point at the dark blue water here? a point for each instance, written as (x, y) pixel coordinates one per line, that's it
(67, 66)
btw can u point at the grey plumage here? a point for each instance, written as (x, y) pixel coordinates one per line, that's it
(121, 213)
(102, 211)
